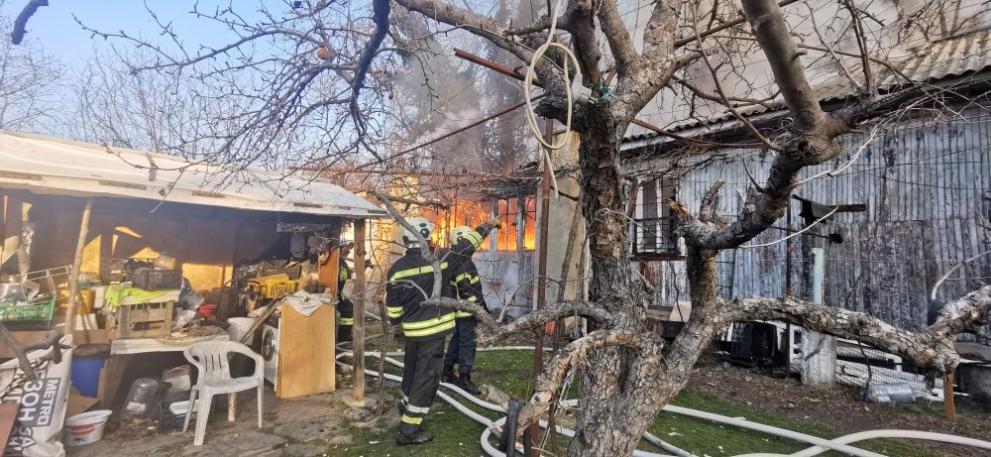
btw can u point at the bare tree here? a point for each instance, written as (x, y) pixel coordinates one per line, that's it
(711, 53)
(148, 111)
(27, 83)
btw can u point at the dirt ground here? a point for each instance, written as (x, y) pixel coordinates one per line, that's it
(304, 427)
(325, 425)
(838, 408)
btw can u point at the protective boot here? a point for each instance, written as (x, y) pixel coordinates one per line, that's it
(420, 436)
(464, 382)
(448, 375)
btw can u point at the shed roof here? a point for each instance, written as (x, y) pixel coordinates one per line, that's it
(50, 165)
(945, 58)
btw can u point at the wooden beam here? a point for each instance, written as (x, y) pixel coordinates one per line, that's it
(358, 298)
(77, 261)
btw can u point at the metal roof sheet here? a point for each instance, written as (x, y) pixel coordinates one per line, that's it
(930, 62)
(54, 166)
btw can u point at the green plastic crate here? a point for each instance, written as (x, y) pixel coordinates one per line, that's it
(43, 311)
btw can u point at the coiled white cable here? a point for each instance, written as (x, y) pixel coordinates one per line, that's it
(531, 116)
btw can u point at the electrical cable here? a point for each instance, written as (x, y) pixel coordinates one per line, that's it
(531, 116)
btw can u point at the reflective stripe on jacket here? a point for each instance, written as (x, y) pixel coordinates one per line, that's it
(409, 278)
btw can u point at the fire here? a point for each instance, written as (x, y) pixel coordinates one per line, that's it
(471, 214)
(461, 213)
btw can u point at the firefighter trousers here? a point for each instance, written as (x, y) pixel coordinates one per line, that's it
(346, 322)
(423, 362)
(461, 350)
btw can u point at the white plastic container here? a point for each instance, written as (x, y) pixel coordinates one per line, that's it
(85, 428)
(178, 378)
(238, 326)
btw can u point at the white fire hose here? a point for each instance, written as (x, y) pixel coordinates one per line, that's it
(820, 445)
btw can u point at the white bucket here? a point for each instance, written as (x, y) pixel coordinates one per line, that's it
(85, 428)
(238, 327)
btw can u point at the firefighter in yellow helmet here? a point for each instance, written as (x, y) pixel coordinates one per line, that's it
(467, 286)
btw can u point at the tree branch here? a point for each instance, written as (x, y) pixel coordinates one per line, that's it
(966, 314)
(494, 332)
(618, 37)
(931, 347)
(21, 23)
(424, 246)
(810, 142)
(477, 24)
(24, 363)
(774, 37)
(551, 380)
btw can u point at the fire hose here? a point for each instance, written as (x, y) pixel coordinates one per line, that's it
(820, 445)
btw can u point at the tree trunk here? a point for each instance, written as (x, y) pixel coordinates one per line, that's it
(619, 398)
(623, 390)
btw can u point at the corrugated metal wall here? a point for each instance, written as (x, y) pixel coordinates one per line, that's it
(926, 187)
(501, 273)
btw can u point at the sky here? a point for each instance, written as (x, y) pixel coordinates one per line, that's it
(56, 30)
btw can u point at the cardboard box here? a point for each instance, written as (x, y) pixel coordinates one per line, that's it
(79, 403)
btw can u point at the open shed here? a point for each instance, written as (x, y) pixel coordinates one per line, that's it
(67, 203)
(210, 217)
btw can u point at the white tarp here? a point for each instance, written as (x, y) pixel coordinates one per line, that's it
(53, 166)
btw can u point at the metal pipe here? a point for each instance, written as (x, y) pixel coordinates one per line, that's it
(834, 237)
(545, 206)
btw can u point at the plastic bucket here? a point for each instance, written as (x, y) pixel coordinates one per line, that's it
(86, 374)
(85, 428)
(239, 326)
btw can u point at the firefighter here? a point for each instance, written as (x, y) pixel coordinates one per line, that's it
(424, 329)
(467, 286)
(344, 305)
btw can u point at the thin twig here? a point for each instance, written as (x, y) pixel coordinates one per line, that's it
(932, 294)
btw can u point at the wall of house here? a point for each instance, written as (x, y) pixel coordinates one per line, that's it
(501, 273)
(927, 187)
(566, 237)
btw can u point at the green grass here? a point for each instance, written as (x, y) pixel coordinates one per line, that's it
(456, 435)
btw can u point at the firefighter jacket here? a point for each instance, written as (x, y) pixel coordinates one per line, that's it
(404, 301)
(467, 283)
(343, 275)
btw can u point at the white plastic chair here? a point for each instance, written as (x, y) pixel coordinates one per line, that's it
(211, 359)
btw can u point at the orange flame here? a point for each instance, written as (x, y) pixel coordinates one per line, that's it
(461, 213)
(472, 214)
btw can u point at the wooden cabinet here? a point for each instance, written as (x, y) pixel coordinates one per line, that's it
(306, 352)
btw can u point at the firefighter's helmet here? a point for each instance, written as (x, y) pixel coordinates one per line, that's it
(466, 233)
(425, 227)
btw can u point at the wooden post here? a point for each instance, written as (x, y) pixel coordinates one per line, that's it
(949, 404)
(77, 262)
(818, 350)
(358, 298)
(538, 351)
(494, 234)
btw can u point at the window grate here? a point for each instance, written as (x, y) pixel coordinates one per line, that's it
(654, 235)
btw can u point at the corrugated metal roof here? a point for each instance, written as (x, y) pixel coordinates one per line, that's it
(928, 63)
(53, 166)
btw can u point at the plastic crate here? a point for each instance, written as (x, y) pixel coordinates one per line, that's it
(151, 279)
(42, 311)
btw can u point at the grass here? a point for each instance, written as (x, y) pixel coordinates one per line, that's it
(456, 435)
